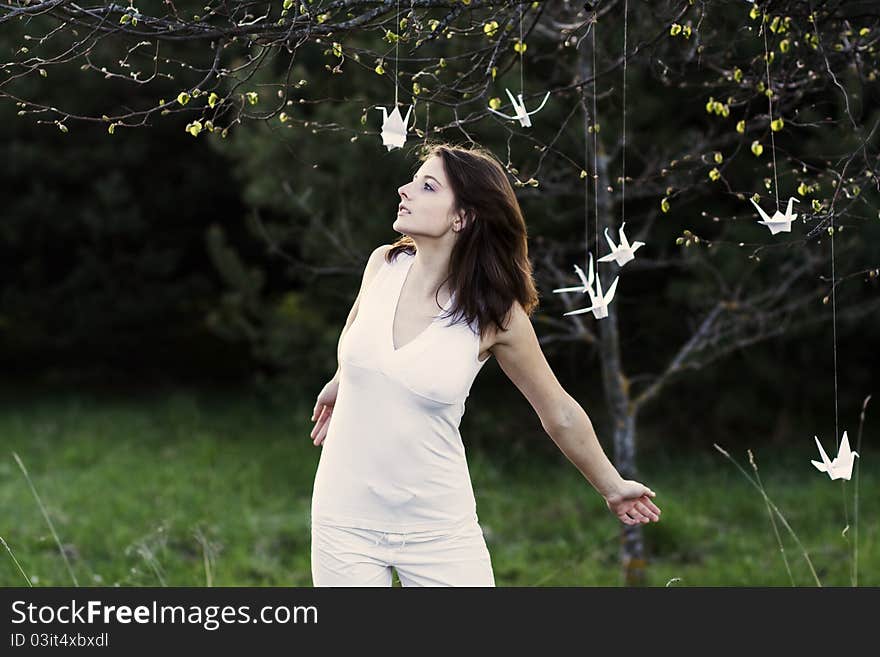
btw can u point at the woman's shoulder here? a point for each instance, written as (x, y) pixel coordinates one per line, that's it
(394, 254)
(375, 263)
(381, 250)
(514, 325)
(380, 255)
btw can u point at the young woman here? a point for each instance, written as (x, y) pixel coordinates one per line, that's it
(392, 488)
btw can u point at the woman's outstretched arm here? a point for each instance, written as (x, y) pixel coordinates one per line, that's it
(520, 356)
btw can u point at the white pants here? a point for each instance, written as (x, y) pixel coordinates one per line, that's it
(348, 556)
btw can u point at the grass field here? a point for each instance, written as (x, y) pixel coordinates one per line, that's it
(186, 489)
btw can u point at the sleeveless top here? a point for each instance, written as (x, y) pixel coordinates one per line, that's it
(393, 458)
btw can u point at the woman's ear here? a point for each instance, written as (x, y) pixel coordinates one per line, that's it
(464, 218)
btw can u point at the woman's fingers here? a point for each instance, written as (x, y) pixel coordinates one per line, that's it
(638, 511)
(637, 515)
(647, 512)
(319, 431)
(651, 506)
(317, 427)
(324, 431)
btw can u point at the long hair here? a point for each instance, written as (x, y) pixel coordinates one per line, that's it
(489, 267)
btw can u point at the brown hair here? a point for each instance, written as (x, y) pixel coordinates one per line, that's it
(489, 266)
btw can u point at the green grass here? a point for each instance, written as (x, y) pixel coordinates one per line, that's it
(188, 489)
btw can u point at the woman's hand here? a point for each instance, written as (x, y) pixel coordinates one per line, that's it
(631, 503)
(323, 410)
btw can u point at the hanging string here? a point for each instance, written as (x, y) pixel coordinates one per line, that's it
(522, 87)
(770, 101)
(427, 120)
(411, 18)
(396, 50)
(595, 139)
(834, 327)
(623, 166)
(834, 311)
(586, 178)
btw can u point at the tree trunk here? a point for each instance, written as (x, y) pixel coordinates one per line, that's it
(623, 416)
(615, 385)
(614, 381)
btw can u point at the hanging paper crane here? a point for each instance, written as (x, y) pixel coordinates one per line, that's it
(778, 223)
(599, 301)
(586, 284)
(623, 252)
(519, 107)
(841, 467)
(394, 127)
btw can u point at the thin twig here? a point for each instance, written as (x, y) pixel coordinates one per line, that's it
(772, 521)
(20, 569)
(778, 512)
(48, 520)
(855, 575)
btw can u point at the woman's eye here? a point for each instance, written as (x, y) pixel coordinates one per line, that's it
(429, 187)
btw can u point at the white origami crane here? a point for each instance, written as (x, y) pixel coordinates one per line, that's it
(599, 301)
(841, 467)
(778, 223)
(520, 107)
(623, 252)
(587, 283)
(394, 127)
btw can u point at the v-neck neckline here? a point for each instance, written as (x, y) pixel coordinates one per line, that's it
(403, 278)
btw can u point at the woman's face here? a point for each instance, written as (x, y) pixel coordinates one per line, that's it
(428, 200)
